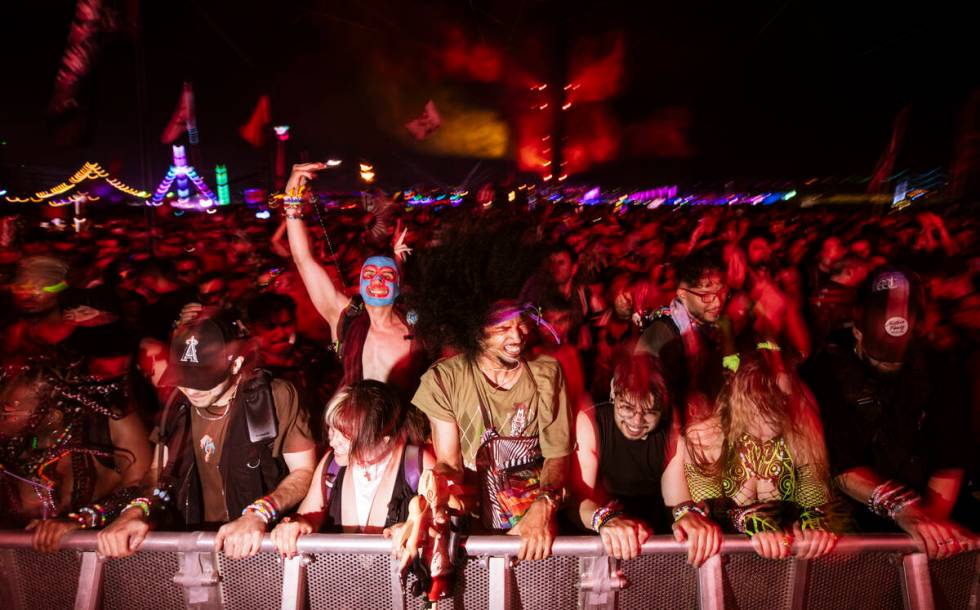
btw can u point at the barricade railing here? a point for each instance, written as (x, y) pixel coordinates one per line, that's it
(181, 570)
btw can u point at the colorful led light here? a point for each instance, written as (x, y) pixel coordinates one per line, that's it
(221, 179)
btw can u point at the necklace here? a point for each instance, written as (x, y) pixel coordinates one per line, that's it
(506, 377)
(230, 393)
(202, 414)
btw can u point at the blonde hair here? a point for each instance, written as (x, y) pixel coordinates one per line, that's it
(754, 393)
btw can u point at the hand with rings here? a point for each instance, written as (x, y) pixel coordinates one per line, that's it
(772, 545)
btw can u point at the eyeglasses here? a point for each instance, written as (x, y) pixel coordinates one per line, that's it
(629, 410)
(709, 297)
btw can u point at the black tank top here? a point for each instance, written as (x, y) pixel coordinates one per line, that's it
(630, 470)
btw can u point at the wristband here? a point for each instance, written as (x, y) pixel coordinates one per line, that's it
(890, 498)
(604, 514)
(681, 510)
(89, 517)
(552, 495)
(264, 508)
(144, 504)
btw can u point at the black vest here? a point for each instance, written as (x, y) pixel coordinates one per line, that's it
(248, 468)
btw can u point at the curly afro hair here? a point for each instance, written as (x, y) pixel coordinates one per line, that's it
(471, 265)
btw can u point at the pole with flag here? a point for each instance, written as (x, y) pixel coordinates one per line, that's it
(183, 120)
(887, 162)
(253, 131)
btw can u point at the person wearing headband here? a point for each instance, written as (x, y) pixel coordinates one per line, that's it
(497, 409)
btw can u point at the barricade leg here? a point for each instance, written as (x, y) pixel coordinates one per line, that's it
(599, 580)
(397, 594)
(916, 582)
(8, 580)
(798, 581)
(711, 584)
(975, 589)
(501, 580)
(294, 582)
(199, 577)
(88, 596)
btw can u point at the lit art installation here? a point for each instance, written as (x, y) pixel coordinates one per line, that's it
(89, 171)
(221, 179)
(184, 175)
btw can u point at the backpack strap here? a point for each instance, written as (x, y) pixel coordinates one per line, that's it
(412, 459)
(353, 309)
(329, 478)
(260, 407)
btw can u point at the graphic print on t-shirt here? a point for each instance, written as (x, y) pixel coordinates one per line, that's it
(207, 447)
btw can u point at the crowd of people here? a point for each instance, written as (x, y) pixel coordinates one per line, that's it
(787, 374)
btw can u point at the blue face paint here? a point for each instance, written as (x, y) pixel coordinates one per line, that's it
(379, 281)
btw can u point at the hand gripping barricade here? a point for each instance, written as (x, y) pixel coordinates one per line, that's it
(173, 571)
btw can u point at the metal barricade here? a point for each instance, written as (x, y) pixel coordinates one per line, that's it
(181, 570)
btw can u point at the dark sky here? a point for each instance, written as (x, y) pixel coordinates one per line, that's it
(706, 91)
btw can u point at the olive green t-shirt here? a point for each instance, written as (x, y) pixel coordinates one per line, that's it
(452, 388)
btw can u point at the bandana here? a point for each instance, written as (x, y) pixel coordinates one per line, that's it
(386, 291)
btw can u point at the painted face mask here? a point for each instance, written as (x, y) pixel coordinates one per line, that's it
(379, 281)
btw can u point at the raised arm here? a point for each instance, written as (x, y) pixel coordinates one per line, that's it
(329, 301)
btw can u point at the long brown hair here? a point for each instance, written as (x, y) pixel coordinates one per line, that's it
(370, 413)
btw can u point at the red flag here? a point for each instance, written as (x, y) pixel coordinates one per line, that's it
(427, 124)
(91, 19)
(183, 119)
(253, 132)
(887, 161)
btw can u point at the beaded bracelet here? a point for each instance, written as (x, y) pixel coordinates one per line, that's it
(604, 514)
(681, 510)
(890, 498)
(89, 517)
(142, 503)
(264, 508)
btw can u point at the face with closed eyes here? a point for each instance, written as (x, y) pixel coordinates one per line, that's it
(379, 281)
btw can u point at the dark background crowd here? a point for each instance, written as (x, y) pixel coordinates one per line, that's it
(99, 307)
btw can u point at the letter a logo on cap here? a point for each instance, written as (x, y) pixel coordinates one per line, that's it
(190, 353)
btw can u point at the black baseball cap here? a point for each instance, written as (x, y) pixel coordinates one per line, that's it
(201, 354)
(890, 306)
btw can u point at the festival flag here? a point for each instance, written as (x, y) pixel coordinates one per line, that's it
(887, 162)
(91, 20)
(253, 132)
(426, 124)
(183, 119)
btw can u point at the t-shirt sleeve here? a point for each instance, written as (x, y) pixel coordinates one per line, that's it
(434, 392)
(294, 424)
(554, 430)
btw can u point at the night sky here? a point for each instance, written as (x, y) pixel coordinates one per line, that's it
(680, 92)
